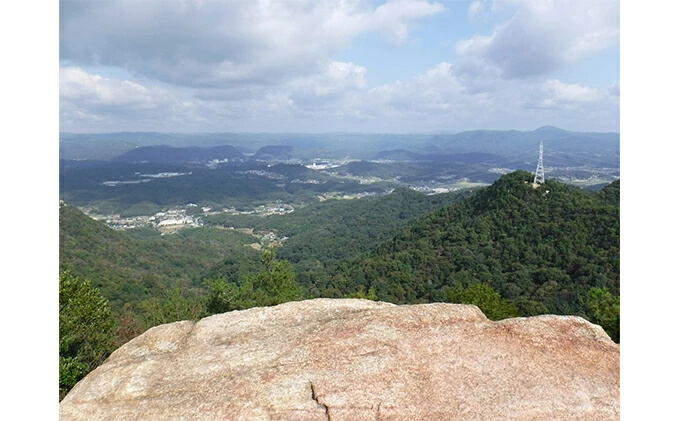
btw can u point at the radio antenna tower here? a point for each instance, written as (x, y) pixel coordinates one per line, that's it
(539, 178)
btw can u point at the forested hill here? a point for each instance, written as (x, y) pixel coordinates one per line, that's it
(545, 250)
(327, 233)
(135, 265)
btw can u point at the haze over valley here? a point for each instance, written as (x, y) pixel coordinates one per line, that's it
(128, 180)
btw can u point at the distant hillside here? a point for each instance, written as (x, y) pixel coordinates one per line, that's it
(422, 171)
(542, 249)
(164, 154)
(506, 141)
(468, 158)
(81, 149)
(401, 155)
(514, 149)
(274, 152)
(562, 147)
(109, 145)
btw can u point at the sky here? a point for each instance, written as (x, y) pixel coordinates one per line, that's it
(396, 66)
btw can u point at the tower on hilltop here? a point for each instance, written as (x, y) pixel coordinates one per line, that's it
(539, 178)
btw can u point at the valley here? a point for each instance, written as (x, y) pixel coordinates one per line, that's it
(147, 185)
(180, 232)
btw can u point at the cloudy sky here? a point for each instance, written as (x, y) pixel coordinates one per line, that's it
(396, 66)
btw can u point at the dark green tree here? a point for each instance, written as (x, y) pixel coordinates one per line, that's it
(603, 308)
(171, 306)
(361, 293)
(86, 327)
(484, 297)
(274, 284)
(223, 296)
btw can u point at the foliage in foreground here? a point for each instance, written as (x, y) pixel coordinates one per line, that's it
(483, 296)
(89, 332)
(603, 308)
(86, 325)
(273, 285)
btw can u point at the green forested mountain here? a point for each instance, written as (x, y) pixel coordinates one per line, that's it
(510, 248)
(542, 249)
(135, 265)
(325, 234)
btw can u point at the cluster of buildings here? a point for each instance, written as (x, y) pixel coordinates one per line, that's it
(278, 208)
(180, 217)
(172, 217)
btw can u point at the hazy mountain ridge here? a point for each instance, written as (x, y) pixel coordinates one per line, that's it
(274, 152)
(175, 155)
(340, 145)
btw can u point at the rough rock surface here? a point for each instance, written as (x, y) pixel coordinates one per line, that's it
(357, 360)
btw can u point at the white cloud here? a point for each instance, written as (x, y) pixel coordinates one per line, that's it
(568, 93)
(435, 91)
(338, 99)
(220, 44)
(476, 8)
(77, 85)
(88, 100)
(339, 77)
(543, 36)
(270, 66)
(393, 18)
(438, 99)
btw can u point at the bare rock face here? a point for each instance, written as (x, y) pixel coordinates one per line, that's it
(357, 360)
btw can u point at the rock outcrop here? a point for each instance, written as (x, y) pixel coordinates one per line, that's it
(357, 360)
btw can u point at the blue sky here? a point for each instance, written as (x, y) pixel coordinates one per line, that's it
(399, 66)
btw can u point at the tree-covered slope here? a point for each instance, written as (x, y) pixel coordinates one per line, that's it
(325, 234)
(349, 228)
(129, 267)
(542, 249)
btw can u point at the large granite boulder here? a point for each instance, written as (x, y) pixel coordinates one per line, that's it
(357, 360)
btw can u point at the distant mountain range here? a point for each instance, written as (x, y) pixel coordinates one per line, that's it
(165, 154)
(555, 140)
(513, 148)
(274, 152)
(169, 155)
(566, 147)
(404, 155)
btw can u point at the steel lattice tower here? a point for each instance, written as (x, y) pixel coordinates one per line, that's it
(539, 178)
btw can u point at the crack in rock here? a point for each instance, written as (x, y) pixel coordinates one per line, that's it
(316, 399)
